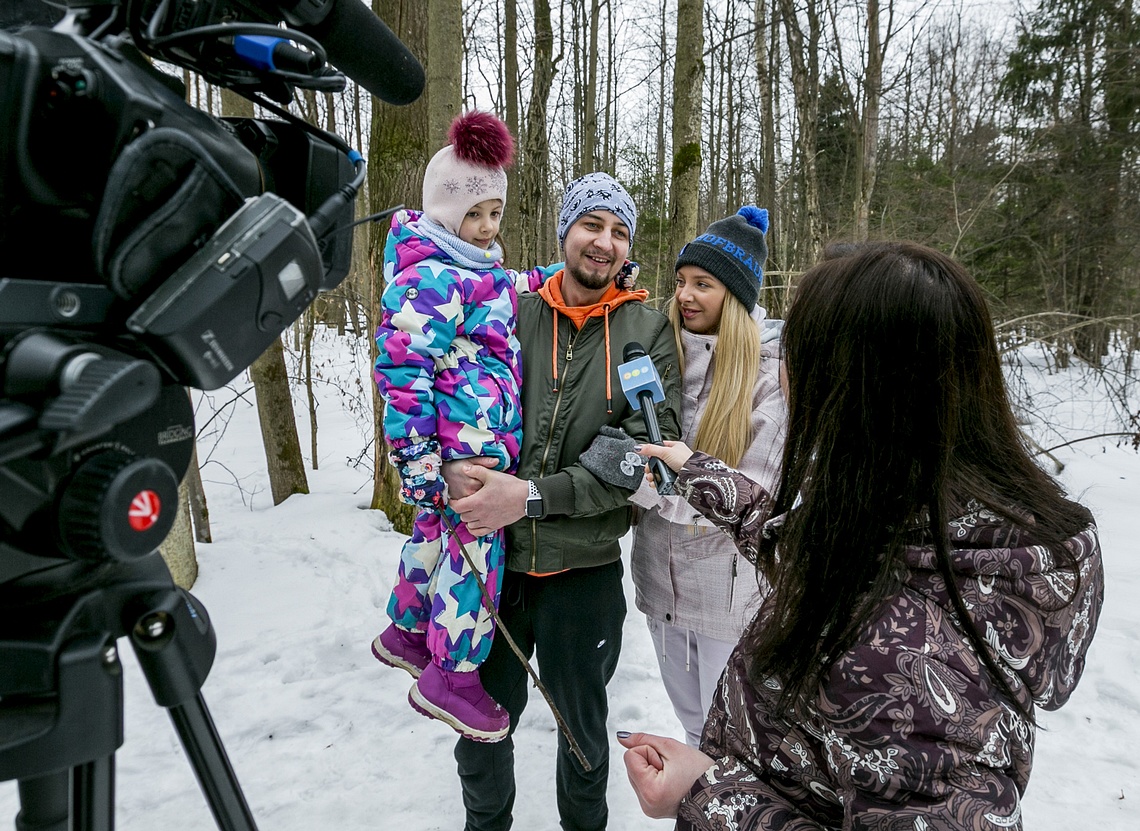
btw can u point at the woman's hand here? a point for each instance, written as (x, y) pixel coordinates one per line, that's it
(672, 453)
(661, 770)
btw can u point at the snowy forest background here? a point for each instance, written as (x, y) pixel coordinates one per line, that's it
(1005, 134)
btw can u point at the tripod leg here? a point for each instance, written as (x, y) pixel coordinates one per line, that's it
(208, 759)
(175, 647)
(44, 803)
(85, 795)
(93, 795)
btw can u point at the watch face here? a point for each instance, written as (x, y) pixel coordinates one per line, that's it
(534, 508)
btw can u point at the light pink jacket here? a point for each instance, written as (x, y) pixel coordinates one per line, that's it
(683, 566)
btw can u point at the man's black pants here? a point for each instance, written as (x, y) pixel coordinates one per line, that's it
(573, 622)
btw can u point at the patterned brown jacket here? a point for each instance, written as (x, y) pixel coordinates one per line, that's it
(908, 730)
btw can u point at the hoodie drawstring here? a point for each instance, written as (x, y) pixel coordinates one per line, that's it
(609, 394)
(554, 351)
(609, 363)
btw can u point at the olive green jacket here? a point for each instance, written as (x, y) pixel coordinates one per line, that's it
(584, 517)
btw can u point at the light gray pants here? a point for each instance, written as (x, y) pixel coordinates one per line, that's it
(691, 665)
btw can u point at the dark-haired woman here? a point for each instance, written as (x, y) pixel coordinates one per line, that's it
(931, 585)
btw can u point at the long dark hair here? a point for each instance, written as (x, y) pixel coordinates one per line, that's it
(897, 417)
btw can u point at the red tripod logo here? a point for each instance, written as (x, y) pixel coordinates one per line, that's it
(145, 510)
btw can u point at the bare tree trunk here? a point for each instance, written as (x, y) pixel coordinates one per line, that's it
(609, 134)
(866, 170)
(577, 83)
(662, 278)
(306, 101)
(177, 549)
(309, 318)
(398, 151)
(278, 424)
(199, 511)
(330, 113)
(768, 71)
(804, 57)
(534, 186)
(611, 94)
(511, 230)
(714, 129)
(688, 83)
(444, 65)
(730, 117)
(590, 122)
(235, 105)
(359, 112)
(358, 285)
(767, 81)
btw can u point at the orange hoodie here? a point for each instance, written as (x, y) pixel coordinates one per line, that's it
(551, 292)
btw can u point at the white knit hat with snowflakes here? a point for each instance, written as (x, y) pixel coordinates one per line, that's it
(469, 170)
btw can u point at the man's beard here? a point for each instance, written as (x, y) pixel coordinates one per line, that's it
(589, 279)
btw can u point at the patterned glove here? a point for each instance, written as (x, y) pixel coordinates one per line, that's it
(626, 279)
(421, 474)
(610, 457)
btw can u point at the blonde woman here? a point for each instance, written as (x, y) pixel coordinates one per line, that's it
(697, 594)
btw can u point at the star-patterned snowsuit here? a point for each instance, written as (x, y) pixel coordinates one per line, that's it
(449, 370)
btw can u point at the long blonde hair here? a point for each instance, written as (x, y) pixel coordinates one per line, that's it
(725, 430)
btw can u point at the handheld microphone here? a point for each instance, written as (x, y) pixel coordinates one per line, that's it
(642, 387)
(360, 45)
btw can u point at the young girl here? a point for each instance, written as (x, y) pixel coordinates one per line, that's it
(449, 373)
(684, 568)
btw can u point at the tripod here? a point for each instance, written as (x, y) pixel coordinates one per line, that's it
(61, 687)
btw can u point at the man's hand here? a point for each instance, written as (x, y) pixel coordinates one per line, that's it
(499, 500)
(459, 484)
(662, 771)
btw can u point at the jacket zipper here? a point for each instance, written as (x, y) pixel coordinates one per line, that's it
(549, 441)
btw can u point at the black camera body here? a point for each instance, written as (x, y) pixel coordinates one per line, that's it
(101, 147)
(135, 230)
(147, 246)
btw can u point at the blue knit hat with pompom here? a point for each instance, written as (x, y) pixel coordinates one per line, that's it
(733, 250)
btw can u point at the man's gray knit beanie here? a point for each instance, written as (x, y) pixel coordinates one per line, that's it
(596, 192)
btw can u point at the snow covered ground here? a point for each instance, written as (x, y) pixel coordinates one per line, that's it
(320, 734)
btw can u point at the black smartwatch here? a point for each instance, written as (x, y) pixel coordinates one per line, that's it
(533, 501)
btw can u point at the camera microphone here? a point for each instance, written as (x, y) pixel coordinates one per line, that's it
(643, 389)
(361, 45)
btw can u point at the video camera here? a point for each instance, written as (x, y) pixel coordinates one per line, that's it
(145, 247)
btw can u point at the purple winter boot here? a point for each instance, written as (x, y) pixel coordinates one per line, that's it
(400, 648)
(458, 699)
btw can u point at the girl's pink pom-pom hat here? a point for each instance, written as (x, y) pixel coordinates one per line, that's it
(469, 170)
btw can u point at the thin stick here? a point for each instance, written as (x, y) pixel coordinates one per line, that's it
(490, 604)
